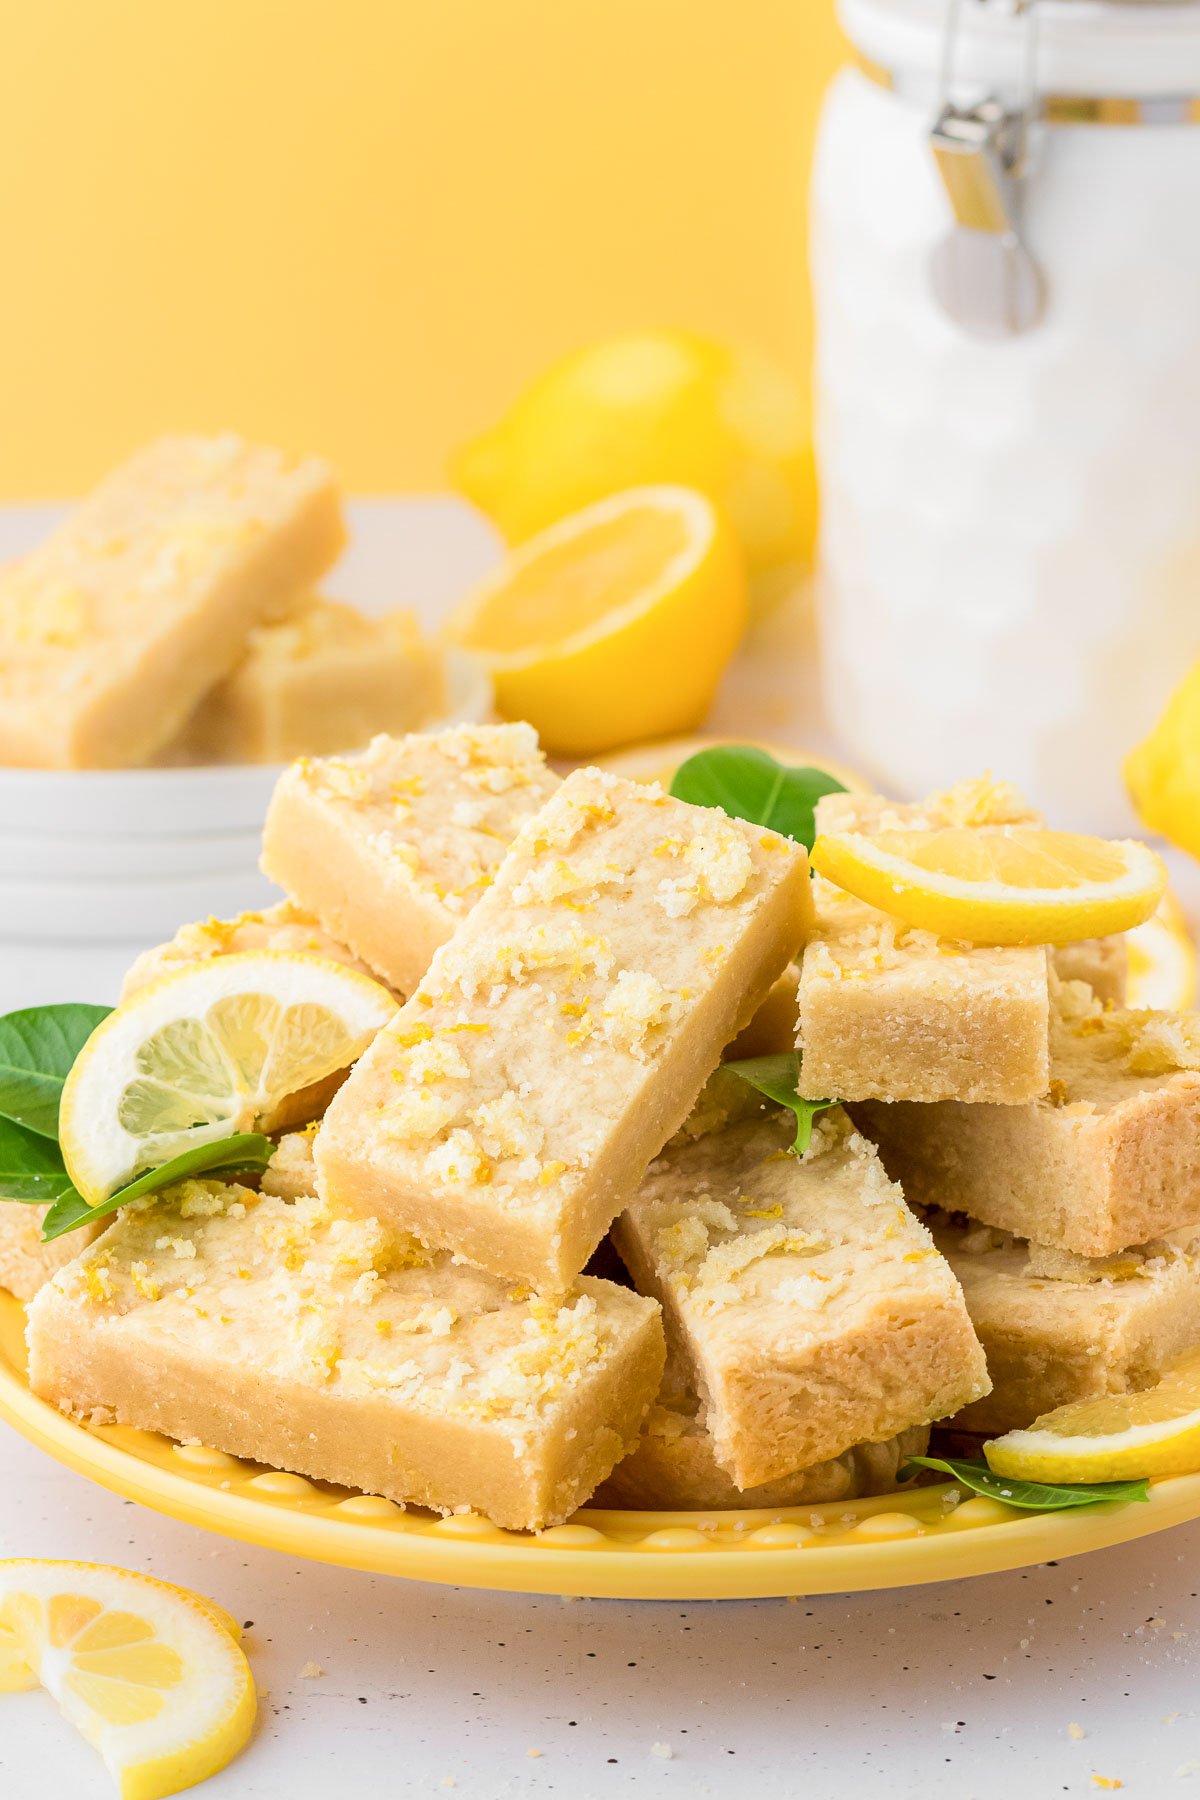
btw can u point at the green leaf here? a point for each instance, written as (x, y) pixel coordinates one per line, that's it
(31, 1168)
(1034, 1496)
(778, 1077)
(247, 1153)
(749, 784)
(37, 1048)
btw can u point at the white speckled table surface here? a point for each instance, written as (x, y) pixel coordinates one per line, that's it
(1035, 1683)
(964, 1689)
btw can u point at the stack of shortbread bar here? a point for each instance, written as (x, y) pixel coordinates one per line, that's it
(1048, 1135)
(171, 618)
(403, 1305)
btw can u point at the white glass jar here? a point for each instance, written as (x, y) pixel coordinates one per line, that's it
(1010, 557)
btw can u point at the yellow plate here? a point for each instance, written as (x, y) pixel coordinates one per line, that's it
(895, 1541)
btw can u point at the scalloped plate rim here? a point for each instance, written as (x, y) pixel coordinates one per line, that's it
(408, 1546)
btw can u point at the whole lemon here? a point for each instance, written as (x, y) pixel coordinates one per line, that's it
(653, 407)
(1163, 772)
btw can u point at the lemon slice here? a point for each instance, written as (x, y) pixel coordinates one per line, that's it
(148, 1673)
(1009, 885)
(243, 1043)
(1118, 1437)
(613, 625)
(1161, 771)
(658, 761)
(1162, 961)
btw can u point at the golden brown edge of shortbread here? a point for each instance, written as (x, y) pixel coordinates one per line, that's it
(669, 1474)
(26, 1263)
(83, 1364)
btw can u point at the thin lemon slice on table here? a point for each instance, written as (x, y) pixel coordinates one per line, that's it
(615, 624)
(1115, 1438)
(242, 1043)
(1007, 885)
(149, 1674)
(1162, 961)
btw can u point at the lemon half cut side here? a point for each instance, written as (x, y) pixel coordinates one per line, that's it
(615, 624)
(207, 1051)
(656, 406)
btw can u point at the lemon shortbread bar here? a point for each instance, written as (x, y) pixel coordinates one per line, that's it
(292, 1171)
(812, 1311)
(1103, 963)
(114, 628)
(1058, 1328)
(391, 848)
(25, 1261)
(1110, 1157)
(558, 1041)
(772, 1030)
(892, 1013)
(279, 1331)
(321, 680)
(674, 1466)
(282, 927)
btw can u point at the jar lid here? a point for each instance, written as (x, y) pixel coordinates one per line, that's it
(1140, 49)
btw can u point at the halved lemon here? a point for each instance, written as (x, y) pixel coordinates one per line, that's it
(149, 1674)
(1008, 885)
(615, 624)
(1162, 961)
(246, 1042)
(650, 407)
(659, 760)
(1119, 1437)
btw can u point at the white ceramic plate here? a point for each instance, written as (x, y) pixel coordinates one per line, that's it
(173, 803)
(134, 803)
(34, 856)
(73, 910)
(129, 855)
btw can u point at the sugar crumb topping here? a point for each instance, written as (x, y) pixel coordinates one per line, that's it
(1089, 1036)
(715, 865)
(324, 1298)
(981, 801)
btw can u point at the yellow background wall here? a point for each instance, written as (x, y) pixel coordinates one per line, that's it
(358, 225)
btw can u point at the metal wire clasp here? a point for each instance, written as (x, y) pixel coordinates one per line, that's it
(982, 272)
